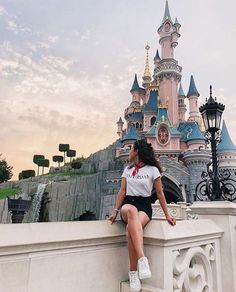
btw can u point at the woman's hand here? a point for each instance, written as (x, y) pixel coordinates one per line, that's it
(113, 216)
(171, 220)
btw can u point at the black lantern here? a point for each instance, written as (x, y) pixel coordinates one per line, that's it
(211, 113)
(215, 185)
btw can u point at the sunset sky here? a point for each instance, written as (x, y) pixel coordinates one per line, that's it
(66, 67)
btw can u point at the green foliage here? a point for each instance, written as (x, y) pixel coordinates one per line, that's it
(8, 192)
(70, 153)
(57, 158)
(64, 147)
(77, 163)
(26, 174)
(5, 170)
(43, 162)
(37, 158)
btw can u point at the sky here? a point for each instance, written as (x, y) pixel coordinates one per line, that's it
(66, 67)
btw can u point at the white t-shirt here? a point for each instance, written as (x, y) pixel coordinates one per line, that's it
(142, 183)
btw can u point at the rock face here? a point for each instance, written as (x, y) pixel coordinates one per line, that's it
(68, 200)
(89, 193)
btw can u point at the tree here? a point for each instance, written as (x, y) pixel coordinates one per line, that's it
(58, 158)
(70, 153)
(5, 170)
(43, 163)
(36, 159)
(26, 174)
(64, 148)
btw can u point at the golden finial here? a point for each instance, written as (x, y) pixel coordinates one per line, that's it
(147, 75)
(154, 85)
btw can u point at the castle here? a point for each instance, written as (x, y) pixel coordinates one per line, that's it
(157, 112)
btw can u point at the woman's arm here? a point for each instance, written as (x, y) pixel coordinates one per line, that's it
(119, 200)
(162, 200)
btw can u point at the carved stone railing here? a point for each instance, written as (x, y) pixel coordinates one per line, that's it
(180, 210)
(193, 268)
(92, 257)
(185, 257)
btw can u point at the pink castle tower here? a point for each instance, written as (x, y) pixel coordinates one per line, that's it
(157, 110)
(167, 70)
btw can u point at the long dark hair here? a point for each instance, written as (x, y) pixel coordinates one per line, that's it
(146, 153)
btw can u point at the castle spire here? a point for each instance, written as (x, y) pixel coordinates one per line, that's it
(181, 91)
(193, 95)
(135, 86)
(167, 13)
(192, 88)
(147, 75)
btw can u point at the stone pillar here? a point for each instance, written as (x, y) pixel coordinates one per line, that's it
(223, 213)
(196, 161)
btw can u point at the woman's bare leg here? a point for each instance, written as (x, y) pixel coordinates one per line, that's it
(133, 259)
(135, 224)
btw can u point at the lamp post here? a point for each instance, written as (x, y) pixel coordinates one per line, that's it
(215, 185)
(211, 113)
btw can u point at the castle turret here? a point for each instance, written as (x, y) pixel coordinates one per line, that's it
(147, 75)
(182, 106)
(193, 95)
(156, 59)
(169, 34)
(196, 162)
(120, 124)
(167, 70)
(137, 92)
(226, 150)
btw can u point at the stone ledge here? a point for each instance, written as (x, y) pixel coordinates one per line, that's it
(145, 288)
(214, 208)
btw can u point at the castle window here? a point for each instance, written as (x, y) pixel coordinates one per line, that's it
(152, 121)
(137, 125)
(140, 126)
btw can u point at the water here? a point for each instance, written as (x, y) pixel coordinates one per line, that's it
(36, 202)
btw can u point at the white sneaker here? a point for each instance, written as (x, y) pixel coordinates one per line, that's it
(134, 282)
(143, 268)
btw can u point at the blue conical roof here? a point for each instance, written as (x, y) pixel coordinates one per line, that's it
(131, 134)
(190, 131)
(157, 57)
(192, 88)
(167, 13)
(226, 143)
(181, 91)
(152, 102)
(176, 21)
(135, 86)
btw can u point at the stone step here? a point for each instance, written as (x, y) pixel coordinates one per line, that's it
(145, 288)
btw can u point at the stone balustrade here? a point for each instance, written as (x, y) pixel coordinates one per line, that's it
(92, 256)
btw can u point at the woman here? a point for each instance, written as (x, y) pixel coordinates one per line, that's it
(135, 203)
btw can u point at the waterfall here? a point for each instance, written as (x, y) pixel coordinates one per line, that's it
(36, 202)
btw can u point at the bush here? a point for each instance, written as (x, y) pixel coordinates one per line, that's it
(76, 163)
(26, 174)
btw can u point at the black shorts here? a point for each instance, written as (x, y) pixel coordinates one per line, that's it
(141, 203)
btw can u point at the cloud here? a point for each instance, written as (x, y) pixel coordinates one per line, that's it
(12, 23)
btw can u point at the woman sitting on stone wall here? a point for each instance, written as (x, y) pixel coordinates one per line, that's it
(134, 199)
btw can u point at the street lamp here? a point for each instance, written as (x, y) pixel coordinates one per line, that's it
(215, 186)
